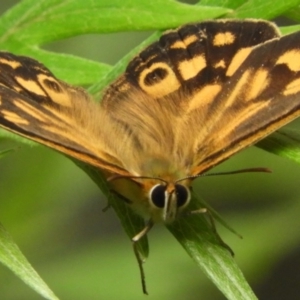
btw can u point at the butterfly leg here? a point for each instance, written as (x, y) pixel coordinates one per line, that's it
(198, 211)
(213, 224)
(126, 200)
(108, 205)
(139, 259)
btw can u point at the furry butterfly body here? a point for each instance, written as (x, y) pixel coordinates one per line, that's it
(184, 104)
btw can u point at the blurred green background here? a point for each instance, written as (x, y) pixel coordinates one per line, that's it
(54, 213)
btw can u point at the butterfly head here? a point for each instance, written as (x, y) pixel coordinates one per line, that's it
(167, 200)
(160, 191)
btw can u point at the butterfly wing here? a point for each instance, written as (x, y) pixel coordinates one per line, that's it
(36, 105)
(221, 85)
(189, 58)
(261, 96)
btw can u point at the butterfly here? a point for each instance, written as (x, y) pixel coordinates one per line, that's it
(186, 103)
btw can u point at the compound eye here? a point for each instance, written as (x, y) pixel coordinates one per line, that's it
(157, 195)
(182, 195)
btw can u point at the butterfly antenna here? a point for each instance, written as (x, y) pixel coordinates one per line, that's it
(249, 170)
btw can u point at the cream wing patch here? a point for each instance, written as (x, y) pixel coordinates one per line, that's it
(158, 85)
(290, 58)
(223, 38)
(190, 68)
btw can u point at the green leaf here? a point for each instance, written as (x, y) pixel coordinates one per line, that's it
(31, 24)
(5, 152)
(267, 9)
(285, 142)
(233, 4)
(293, 14)
(96, 16)
(289, 29)
(12, 257)
(77, 70)
(211, 254)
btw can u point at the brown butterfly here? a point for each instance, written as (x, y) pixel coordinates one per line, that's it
(186, 103)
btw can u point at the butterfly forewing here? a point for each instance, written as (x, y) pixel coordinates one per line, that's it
(191, 57)
(262, 95)
(36, 105)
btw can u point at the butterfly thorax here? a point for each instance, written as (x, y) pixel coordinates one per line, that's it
(163, 168)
